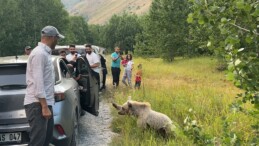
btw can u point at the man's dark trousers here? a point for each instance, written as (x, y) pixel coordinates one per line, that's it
(41, 129)
(115, 75)
(104, 78)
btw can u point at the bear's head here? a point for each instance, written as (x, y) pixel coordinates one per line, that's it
(138, 108)
(132, 108)
(122, 109)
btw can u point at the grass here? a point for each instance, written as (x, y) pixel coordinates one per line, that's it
(173, 89)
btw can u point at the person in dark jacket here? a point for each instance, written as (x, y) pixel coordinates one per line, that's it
(104, 71)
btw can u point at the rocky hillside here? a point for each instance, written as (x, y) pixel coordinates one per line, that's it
(100, 11)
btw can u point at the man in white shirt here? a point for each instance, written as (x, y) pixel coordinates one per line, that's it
(94, 61)
(72, 56)
(39, 97)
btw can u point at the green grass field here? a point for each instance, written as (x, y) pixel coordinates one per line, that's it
(173, 89)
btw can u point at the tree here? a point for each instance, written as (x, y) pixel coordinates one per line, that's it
(198, 39)
(97, 32)
(236, 22)
(166, 29)
(121, 31)
(22, 21)
(143, 46)
(78, 32)
(10, 27)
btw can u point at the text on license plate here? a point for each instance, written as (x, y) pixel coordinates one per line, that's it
(10, 137)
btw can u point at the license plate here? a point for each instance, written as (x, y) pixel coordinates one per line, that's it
(10, 137)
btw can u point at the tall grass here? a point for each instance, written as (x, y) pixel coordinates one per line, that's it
(173, 89)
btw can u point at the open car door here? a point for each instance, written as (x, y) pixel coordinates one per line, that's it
(89, 99)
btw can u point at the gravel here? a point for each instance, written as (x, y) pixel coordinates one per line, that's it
(95, 131)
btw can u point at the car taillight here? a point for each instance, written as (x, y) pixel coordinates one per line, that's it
(60, 129)
(59, 96)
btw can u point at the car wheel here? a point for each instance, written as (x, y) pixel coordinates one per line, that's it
(74, 140)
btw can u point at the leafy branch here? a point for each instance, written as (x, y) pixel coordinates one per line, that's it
(244, 29)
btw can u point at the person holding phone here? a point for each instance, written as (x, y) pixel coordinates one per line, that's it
(115, 66)
(128, 71)
(72, 56)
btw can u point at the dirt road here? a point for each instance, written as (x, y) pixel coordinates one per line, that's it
(95, 131)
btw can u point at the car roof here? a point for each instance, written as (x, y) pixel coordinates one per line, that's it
(22, 59)
(67, 46)
(13, 59)
(98, 49)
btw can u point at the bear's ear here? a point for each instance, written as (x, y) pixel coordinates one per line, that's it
(129, 97)
(129, 105)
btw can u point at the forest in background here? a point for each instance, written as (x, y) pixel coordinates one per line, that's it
(22, 21)
(227, 30)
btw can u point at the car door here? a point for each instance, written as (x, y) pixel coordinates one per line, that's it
(66, 84)
(89, 99)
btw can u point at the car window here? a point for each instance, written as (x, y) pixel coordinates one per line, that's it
(55, 52)
(79, 51)
(13, 74)
(82, 66)
(64, 70)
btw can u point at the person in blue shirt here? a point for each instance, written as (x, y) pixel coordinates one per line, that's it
(115, 66)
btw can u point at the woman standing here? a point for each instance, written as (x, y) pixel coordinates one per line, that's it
(128, 71)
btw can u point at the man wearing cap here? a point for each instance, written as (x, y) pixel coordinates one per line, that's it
(27, 50)
(39, 97)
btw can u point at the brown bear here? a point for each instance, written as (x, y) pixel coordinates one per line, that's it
(148, 117)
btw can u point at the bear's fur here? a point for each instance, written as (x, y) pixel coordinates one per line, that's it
(148, 117)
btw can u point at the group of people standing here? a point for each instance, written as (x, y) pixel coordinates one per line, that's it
(128, 65)
(96, 61)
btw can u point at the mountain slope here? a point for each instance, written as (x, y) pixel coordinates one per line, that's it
(70, 3)
(100, 11)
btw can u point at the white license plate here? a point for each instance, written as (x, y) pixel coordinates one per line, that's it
(10, 137)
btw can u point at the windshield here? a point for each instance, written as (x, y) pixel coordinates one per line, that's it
(12, 75)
